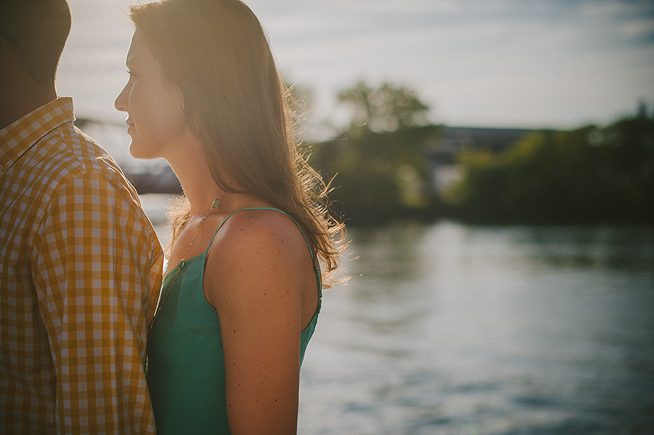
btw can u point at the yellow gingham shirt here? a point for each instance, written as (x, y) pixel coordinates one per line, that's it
(80, 273)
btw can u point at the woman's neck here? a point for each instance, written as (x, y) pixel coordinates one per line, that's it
(190, 167)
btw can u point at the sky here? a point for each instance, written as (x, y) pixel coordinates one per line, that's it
(492, 63)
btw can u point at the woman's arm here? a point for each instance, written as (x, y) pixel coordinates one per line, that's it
(254, 279)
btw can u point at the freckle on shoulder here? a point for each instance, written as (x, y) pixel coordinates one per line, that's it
(260, 233)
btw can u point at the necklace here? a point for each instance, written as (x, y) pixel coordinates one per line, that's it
(215, 204)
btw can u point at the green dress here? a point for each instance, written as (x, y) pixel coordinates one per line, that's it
(185, 366)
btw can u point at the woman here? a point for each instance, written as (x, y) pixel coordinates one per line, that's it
(242, 298)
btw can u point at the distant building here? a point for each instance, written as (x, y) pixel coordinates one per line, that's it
(443, 150)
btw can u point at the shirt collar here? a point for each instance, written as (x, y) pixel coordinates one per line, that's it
(20, 135)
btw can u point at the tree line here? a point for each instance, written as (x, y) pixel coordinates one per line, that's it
(380, 171)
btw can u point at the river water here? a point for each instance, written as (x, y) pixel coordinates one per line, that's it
(455, 329)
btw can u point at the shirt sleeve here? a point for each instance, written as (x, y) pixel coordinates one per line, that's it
(98, 272)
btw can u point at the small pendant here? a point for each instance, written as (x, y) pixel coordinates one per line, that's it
(182, 262)
(215, 203)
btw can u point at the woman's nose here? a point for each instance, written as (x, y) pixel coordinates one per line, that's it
(121, 100)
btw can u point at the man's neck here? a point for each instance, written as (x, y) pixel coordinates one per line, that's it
(21, 99)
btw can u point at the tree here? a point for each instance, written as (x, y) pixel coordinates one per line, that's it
(589, 174)
(388, 107)
(380, 157)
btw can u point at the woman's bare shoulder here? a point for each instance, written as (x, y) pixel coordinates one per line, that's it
(255, 249)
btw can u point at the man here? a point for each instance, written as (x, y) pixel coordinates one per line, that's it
(80, 264)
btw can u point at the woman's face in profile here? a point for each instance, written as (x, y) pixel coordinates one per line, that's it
(153, 105)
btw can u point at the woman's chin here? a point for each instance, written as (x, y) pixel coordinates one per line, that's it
(140, 152)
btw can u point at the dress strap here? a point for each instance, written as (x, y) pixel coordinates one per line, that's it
(316, 265)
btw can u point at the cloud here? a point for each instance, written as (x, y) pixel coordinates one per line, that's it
(474, 60)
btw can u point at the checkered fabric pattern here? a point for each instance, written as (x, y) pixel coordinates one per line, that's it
(80, 274)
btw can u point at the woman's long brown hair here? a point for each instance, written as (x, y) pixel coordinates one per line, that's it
(236, 104)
